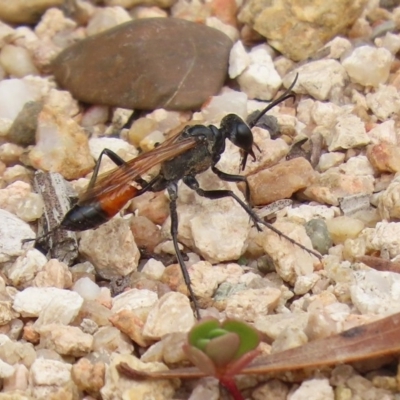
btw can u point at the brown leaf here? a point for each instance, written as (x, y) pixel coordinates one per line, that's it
(374, 340)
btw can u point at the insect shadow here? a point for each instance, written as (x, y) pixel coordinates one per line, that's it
(181, 157)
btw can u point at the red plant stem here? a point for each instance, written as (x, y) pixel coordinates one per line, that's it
(230, 385)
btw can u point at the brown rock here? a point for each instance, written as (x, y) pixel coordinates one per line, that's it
(23, 11)
(280, 181)
(288, 25)
(148, 63)
(87, 376)
(147, 235)
(173, 277)
(154, 206)
(130, 324)
(30, 334)
(384, 157)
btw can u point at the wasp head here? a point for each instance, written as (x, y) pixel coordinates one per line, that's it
(239, 133)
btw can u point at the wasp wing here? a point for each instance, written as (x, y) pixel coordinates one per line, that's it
(112, 180)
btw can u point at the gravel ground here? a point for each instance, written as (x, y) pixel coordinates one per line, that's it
(325, 175)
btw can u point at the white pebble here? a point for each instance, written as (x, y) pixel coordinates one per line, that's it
(313, 389)
(317, 78)
(376, 292)
(238, 60)
(349, 132)
(260, 80)
(368, 65)
(229, 102)
(32, 301)
(14, 93)
(6, 370)
(106, 18)
(385, 102)
(95, 115)
(86, 288)
(17, 61)
(12, 231)
(390, 42)
(153, 269)
(132, 299)
(50, 372)
(384, 132)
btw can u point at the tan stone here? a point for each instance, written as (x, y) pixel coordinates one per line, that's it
(130, 324)
(288, 25)
(87, 376)
(384, 157)
(280, 181)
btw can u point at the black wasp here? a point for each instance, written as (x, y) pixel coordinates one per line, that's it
(181, 157)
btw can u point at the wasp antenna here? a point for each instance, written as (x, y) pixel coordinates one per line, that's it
(284, 96)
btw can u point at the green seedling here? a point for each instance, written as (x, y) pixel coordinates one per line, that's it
(222, 349)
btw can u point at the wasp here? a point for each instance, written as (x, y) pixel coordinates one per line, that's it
(181, 157)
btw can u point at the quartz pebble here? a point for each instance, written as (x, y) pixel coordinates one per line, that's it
(384, 132)
(385, 102)
(17, 62)
(217, 228)
(46, 375)
(318, 78)
(384, 238)
(23, 90)
(118, 385)
(247, 305)
(344, 227)
(172, 313)
(332, 185)
(132, 299)
(389, 201)
(65, 340)
(290, 261)
(12, 232)
(25, 267)
(111, 249)
(260, 79)
(86, 288)
(106, 18)
(368, 66)
(61, 146)
(315, 389)
(349, 132)
(36, 302)
(376, 292)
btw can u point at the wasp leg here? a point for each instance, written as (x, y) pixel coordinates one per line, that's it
(233, 178)
(173, 195)
(118, 161)
(191, 182)
(115, 158)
